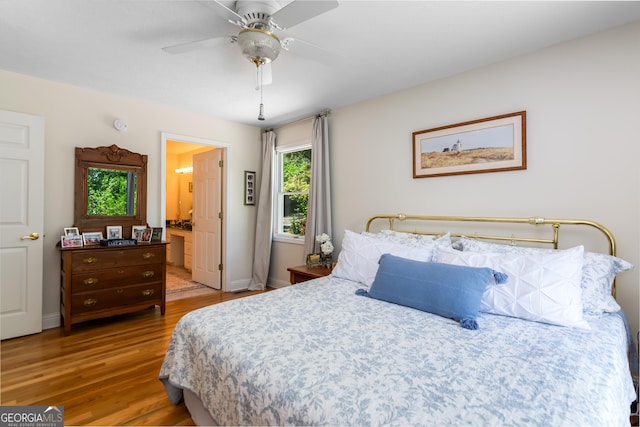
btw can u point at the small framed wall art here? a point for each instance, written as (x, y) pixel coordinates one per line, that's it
(249, 188)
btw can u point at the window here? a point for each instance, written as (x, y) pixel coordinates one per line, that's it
(293, 177)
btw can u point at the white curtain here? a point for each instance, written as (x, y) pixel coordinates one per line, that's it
(262, 248)
(319, 207)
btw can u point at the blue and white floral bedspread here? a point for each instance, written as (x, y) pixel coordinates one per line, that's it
(317, 354)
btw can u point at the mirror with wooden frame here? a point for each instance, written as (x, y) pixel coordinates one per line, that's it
(110, 189)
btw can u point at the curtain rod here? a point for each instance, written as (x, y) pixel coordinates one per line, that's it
(321, 113)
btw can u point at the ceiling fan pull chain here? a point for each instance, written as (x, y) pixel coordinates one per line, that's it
(259, 76)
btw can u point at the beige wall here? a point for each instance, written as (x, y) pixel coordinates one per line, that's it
(78, 117)
(583, 107)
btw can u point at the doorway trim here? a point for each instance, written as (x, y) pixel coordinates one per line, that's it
(164, 137)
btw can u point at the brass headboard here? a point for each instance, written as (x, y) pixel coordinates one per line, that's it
(553, 224)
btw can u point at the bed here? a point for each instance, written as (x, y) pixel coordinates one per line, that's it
(350, 349)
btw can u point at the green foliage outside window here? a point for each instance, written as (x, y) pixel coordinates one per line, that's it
(296, 173)
(108, 192)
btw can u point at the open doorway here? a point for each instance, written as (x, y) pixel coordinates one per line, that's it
(193, 198)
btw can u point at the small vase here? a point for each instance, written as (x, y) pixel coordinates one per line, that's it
(327, 260)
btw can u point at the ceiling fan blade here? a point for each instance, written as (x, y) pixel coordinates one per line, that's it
(300, 11)
(227, 14)
(200, 44)
(309, 50)
(267, 77)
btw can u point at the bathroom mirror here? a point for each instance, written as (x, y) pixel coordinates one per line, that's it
(110, 189)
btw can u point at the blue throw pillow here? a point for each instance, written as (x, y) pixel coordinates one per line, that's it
(448, 290)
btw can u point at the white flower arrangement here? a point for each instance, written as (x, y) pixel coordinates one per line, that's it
(325, 243)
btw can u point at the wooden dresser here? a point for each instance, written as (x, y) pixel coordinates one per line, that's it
(99, 281)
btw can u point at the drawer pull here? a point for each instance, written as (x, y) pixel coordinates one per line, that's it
(147, 274)
(90, 281)
(147, 292)
(119, 291)
(90, 302)
(90, 260)
(148, 255)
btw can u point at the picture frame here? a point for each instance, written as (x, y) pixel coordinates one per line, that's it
(141, 233)
(249, 188)
(136, 231)
(314, 260)
(493, 144)
(71, 231)
(145, 237)
(71, 241)
(114, 232)
(92, 239)
(156, 234)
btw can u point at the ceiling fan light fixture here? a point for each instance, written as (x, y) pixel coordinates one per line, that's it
(259, 45)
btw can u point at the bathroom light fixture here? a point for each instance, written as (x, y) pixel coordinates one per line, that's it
(188, 169)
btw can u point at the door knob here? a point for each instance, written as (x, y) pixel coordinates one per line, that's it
(32, 236)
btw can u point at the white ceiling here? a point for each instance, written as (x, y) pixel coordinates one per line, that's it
(378, 47)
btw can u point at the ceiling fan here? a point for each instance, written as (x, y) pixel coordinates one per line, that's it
(260, 24)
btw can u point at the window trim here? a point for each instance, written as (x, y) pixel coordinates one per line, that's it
(277, 180)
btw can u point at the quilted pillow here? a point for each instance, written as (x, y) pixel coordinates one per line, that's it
(358, 259)
(446, 290)
(598, 272)
(542, 287)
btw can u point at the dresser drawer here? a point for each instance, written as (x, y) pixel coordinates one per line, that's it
(116, 277)
(87, 302)
(102, 259)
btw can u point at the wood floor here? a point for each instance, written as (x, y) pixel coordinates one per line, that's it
(105, 372)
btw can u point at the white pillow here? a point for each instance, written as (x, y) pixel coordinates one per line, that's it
(598, 272)
(407, 239)
(359, 256)
(541, 287)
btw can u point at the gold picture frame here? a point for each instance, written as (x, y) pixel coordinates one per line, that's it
(492, 144)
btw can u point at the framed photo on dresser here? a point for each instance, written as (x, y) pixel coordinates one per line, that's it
(114, 232)
(92, 239)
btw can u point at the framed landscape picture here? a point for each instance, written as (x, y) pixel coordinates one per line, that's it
(487, 145)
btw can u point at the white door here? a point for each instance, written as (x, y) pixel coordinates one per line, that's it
(206, 218)
(21, 223)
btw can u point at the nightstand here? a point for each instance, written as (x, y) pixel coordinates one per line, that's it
(302, 273)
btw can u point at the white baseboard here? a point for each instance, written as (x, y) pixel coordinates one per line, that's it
(239, 285)
(273, 283)
(50, 321)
